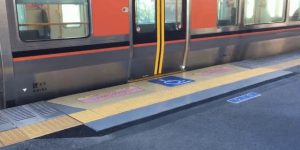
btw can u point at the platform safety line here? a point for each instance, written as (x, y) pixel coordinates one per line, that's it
(154, 98)
(13, 136)
(49, 126)
(36, 130)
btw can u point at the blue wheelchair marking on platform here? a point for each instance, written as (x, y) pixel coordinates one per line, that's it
(171, 81)
(244, 98)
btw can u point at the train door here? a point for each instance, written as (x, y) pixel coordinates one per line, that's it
(2, 102)
(159, 29)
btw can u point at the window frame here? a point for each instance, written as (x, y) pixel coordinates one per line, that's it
(88, 19)
(241, 26)
(237, 17)
(136, 23)
(289, 20)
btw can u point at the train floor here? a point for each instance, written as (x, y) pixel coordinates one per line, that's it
(253, 104)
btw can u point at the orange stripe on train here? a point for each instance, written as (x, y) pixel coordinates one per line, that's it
(27, 58)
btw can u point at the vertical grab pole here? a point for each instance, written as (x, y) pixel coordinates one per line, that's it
(162, 53)
(131, 46)
(188, 35)
(158, 28)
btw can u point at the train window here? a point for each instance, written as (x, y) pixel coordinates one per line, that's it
(51, 20)
(173, 12)
(145, 16)
(294, 12)
(227, 12)
(264, 11)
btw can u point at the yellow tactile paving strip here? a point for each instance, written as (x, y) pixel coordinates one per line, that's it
(49, 126)
(37, 130)
(12, 137)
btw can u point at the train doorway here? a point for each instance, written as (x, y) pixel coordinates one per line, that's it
(159, 30)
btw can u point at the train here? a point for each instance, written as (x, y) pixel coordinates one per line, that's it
(54, 48)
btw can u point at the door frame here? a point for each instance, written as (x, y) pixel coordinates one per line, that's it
(183, 34)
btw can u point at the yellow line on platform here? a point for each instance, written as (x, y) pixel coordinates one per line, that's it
(146, 100)
(50, 126)
(12, 137)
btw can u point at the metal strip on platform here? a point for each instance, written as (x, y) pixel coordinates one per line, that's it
(65, 109)
(5, 124)
(21, 116)
(43, 110)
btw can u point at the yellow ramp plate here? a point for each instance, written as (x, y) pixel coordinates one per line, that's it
(49, 126)
(12, 137)
(86, 116)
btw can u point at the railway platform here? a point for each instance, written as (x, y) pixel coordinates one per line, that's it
(117, 107)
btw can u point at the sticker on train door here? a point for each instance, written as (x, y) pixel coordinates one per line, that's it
(171, 81)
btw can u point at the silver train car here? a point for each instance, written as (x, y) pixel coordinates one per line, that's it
(53, 48)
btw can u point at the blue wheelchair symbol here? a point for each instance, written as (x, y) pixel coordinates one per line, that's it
(171, 81)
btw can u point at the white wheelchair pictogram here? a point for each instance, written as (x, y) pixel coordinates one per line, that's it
(174, 82)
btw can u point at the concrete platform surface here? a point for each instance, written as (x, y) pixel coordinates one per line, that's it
(109, 109)
(269, 122)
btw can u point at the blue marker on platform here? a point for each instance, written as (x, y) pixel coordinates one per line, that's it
(171, 81)
(244, 98)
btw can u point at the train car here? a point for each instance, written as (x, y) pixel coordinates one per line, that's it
(53, 48)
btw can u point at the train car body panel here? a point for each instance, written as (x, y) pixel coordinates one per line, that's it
(48, 69)
(226, 49)
(110, 17)
(204, 14)
(112, 42)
